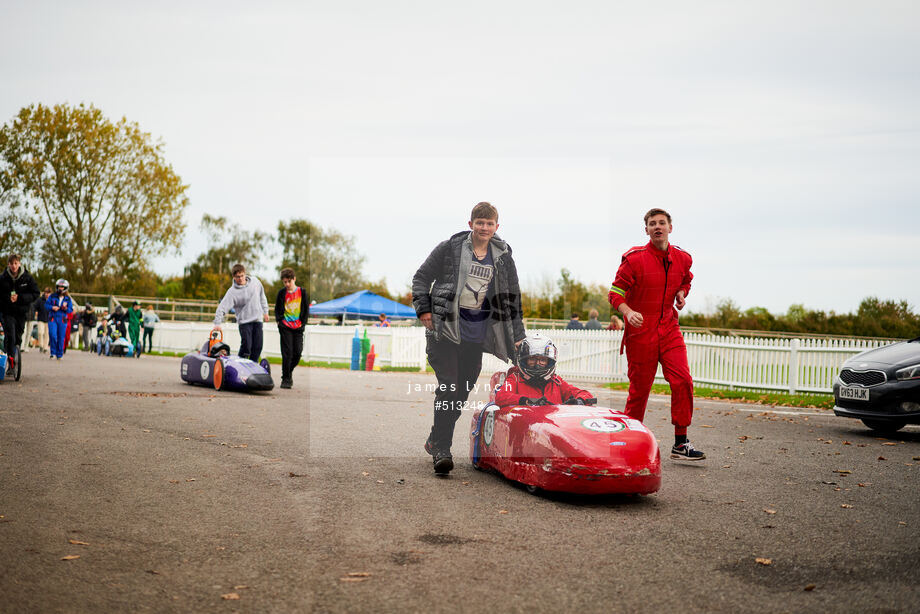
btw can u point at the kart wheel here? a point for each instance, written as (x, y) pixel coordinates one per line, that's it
(218, 375)
(882, 426)
(264, 364)
(534, 490)
(17, 365)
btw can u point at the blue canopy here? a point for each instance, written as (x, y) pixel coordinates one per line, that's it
(363, 304)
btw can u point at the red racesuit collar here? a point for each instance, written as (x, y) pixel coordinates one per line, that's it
(661, 254)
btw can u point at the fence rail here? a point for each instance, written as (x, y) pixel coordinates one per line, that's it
(789, 365)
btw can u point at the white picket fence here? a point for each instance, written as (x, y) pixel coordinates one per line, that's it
(790, 365)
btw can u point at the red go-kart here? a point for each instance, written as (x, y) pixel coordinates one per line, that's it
(567, 448)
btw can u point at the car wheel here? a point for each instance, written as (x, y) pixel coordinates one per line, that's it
(218, 374)
(884, 426)
(534, 490)
(17, 366)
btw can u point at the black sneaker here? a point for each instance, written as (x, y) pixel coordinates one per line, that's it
(443, 461)
(286, 383)
(686, 451)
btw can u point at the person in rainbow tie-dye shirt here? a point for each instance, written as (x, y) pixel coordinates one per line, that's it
(292, 307)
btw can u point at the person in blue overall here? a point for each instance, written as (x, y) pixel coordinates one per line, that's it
(59, 306)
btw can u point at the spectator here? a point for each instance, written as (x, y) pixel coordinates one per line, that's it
(615, 323)
(104, 336)
(117, 320)
(41, 317)
(592, 323)
(87, 327)
(135, 317)
(150, 322)
(73, 330)
(246, 297)
(291, 313)
(17, 292)
(384, 320)
(574, 324)
(59, 307)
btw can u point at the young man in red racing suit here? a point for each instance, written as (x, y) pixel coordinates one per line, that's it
(651, 285)
(534, 382)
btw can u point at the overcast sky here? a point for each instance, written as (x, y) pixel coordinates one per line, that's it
(783, 137)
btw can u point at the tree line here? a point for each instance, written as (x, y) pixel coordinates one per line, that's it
(94, 201)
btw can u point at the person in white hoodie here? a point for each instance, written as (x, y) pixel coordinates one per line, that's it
(246, 297)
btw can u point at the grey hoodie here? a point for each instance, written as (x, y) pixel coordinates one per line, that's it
(248, 302)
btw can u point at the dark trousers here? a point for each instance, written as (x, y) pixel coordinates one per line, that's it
(148, 339)
(251, 340)
(291, 349)
(13, 325)
(457, 367)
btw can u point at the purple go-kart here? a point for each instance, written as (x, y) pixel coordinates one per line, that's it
(212, 365)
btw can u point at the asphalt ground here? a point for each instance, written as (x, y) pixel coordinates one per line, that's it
(178, 498)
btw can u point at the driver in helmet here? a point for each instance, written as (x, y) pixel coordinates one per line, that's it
(534, 381)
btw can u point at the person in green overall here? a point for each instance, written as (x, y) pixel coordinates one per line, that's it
(135, 317)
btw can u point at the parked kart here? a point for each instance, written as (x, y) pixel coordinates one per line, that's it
(122, 347)
(567, 448)
(212, 365)
(11, 363)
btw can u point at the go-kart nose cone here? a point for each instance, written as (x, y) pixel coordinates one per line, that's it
(260, 381)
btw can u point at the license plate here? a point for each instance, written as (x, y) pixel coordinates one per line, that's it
(854, 393)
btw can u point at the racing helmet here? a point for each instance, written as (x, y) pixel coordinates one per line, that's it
(532, 346)
(62, 283)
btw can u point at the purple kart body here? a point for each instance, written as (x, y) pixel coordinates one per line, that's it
(226, 372)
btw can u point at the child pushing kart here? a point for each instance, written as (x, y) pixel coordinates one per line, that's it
(534, 382)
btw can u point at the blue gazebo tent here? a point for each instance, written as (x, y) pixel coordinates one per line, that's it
(364, 305)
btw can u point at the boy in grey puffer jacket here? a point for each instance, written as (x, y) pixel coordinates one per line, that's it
(468, 297)
(247, 299)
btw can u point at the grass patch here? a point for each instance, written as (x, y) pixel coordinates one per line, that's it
(816, 401)
(169, 354)
(400, 369)
(323, 364)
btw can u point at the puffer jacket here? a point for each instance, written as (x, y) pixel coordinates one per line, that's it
(25, 287)
(436, 290)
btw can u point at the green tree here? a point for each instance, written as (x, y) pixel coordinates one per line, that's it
(17, 235)
(228, 244)
(325, 261)
(98, 196)
(572, 296)
(877, 318)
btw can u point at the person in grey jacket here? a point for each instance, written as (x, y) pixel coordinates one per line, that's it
(467, 296)
(149, 322)
(246, 297)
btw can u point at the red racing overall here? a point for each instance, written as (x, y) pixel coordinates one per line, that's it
(647, 281)
(556, 391)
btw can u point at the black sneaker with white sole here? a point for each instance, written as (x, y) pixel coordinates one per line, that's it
(686, 451)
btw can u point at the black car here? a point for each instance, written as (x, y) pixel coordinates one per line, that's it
(881, 387)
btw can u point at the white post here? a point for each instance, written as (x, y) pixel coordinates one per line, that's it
(793, 366)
